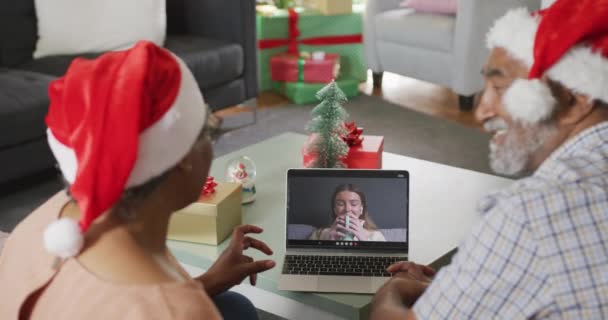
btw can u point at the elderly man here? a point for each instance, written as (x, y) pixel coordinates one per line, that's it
(541, 247)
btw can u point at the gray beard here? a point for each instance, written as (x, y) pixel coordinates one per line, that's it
(514, 156)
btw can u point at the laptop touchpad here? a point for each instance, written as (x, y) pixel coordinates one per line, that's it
(298, 282)
(344, 284)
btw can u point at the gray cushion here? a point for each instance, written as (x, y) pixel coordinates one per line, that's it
(299, 231)
(406, 27)
(23, 106)
(18, 31)
(394, 235)
(53, 65)
(229, 94)
(25, 159)
(213, 62)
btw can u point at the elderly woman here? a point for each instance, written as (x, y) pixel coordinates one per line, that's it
(127, 130)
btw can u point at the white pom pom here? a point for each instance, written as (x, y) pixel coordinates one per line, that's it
(63, 238)
(529, 101)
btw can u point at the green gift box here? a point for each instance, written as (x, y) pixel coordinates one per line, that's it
(305, 93)
(340, 34)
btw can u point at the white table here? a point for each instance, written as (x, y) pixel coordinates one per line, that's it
(443, 203)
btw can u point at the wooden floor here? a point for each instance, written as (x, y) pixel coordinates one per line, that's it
(405, 92)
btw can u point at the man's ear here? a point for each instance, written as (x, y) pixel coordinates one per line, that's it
(576, 110)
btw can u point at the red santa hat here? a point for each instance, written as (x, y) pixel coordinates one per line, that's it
(114, 123)
(568, 43)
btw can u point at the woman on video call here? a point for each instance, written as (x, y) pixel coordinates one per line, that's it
(351, 221)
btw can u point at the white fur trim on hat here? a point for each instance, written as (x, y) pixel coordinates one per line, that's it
(529, 101)
(66, 158)
(583, 72)
(63, 238)
(163, 144)
(579, 69)
(515, 32)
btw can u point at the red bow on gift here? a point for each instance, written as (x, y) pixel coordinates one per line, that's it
(294, 41)
(209, 187)
(353, 136)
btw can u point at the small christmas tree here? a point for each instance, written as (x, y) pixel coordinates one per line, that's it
(327, 128)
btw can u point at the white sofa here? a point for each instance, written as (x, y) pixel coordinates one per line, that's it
(445, 50)
(546, 3)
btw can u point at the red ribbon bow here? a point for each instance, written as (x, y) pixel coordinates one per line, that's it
(353, 135)
(292, 42)
(209, 187)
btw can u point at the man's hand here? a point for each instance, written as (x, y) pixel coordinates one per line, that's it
(409, 281)
(232, 266)
(401, 292)
(412, 270)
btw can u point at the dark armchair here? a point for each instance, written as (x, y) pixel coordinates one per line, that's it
(228, 73)
(216, 39)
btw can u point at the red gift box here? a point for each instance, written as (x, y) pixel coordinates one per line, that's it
(368, 155)
(286, 67)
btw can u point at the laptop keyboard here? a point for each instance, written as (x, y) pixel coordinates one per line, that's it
(338, 265)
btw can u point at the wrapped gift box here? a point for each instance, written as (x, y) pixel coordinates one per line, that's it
(368, 155)
(211, 219)
(341, 35)
(305, 93)
(331, 7)
(318, 68)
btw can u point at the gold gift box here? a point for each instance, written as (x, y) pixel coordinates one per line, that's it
(331, 7)
(211, 219)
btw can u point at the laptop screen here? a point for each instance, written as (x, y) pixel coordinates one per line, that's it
(347, 209)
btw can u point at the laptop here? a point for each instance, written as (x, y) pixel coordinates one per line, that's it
(344, 228)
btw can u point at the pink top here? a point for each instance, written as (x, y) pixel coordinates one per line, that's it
(72, 292)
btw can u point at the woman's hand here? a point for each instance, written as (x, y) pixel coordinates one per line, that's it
(355, 227)
(232, 266)
(337, 229)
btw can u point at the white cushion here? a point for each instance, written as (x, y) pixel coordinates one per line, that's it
(419, 30)
(80, 26)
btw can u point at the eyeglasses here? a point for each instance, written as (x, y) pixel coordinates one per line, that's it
(212, 128)
(212, 134)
